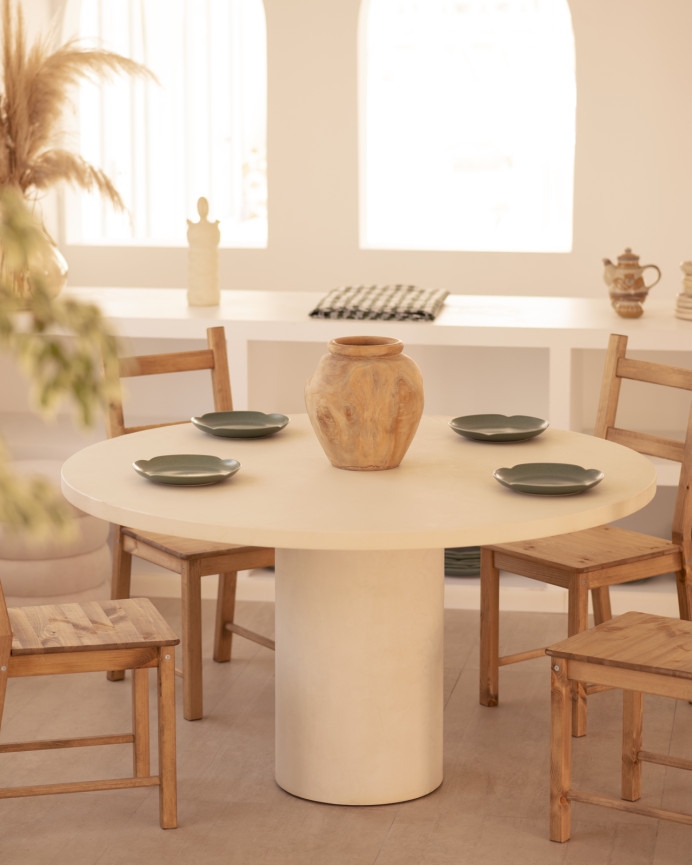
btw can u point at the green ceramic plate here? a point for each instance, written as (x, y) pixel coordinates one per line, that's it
(240, 424)
(186, 469)
(462, 561)
(549, 479)
(498, 427)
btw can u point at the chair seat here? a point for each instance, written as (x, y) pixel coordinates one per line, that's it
(634, 641)
(590, 549)
(188, 547)
(52, 628)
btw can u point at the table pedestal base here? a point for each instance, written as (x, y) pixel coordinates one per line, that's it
(359, 644)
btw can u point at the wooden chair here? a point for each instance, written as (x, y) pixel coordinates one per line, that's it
(640, 654)
(594, 559)
(91, 637)
(191, 559)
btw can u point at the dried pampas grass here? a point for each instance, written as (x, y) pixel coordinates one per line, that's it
(34, 94)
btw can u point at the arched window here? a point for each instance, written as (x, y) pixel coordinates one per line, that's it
(468, 124)
(202, 132)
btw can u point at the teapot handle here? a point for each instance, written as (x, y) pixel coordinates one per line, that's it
(658, 278)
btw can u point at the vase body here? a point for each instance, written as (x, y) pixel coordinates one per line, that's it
(45, 263)
(365, 400)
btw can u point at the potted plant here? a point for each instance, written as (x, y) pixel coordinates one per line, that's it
(36, 85)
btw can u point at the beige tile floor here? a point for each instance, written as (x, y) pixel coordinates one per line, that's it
(491, 808)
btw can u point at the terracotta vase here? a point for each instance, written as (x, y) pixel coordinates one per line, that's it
(365, 400)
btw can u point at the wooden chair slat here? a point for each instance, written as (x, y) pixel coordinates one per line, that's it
(647, 443)
(161, 364)
(655, 373)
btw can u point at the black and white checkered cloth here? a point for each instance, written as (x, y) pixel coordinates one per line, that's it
(384, 302)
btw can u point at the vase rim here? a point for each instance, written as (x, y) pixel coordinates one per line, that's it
(365, 346)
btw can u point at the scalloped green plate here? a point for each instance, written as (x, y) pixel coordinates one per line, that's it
(549, 479)
(498, 427)
(186, 469)
(240, 424)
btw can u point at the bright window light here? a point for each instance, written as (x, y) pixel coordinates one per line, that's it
(467, 125)
(202, 132)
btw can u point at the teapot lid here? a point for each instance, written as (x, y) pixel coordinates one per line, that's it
(628, 257)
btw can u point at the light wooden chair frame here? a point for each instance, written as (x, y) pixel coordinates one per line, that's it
(92, 637)
(191, 559)
(639, 654)
(595, 559)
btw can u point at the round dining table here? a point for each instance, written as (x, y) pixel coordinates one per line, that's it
(359, 572)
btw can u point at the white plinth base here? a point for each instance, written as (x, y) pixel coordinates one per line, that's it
(359, 644)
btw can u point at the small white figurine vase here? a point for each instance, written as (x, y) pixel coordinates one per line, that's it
(203, 259)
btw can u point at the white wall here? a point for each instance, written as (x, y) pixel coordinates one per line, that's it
(633, 165)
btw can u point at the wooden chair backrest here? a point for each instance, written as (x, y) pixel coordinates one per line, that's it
(214, 358)
(618, 368)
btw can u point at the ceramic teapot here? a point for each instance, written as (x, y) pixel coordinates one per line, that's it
(625, 281)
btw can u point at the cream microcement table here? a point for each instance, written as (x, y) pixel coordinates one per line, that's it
(359, 582)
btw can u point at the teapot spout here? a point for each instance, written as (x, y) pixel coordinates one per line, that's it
(609, 271)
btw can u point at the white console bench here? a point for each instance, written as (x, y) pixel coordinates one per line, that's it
(561, 327)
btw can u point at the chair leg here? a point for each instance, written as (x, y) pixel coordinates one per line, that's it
(168, 796)
(682, 579)
(632, 707)
(121, 577)
(560, 751)
(140, 722)
(578, 621)
(225, 612)
(191, 585)
(3, 686)
(490, 629)
(684, 586)
(600, 598)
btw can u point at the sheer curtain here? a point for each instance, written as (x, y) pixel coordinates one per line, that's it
(201, 132)
(468, 124)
